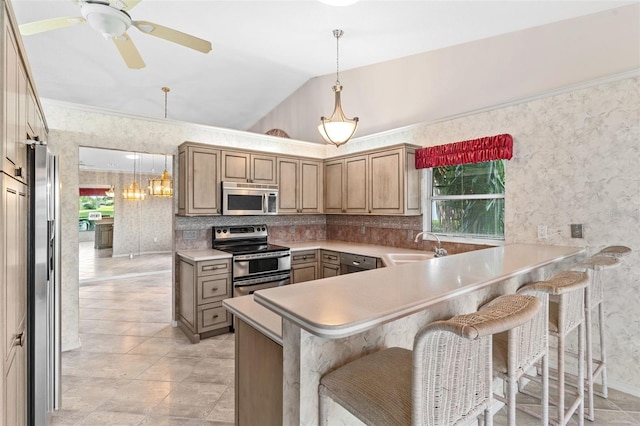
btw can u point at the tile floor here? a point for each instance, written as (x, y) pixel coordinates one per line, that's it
(135, 369)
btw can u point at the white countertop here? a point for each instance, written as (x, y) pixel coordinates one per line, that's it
(203, 254)
(259, 317)
(348, 304)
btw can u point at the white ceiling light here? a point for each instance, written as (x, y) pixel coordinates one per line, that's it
(337, 129)
(110, 22)
(339, 2)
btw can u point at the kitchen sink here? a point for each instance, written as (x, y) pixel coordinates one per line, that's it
(399, 258)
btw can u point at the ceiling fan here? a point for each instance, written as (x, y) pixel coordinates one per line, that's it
(112, 20)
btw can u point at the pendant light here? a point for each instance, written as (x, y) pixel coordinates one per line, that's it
(162, 186)
(110, 192)
(133, 191)
(337, 129)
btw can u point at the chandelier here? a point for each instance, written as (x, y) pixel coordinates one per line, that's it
(162, 186)
(134, 191)
(337, 129)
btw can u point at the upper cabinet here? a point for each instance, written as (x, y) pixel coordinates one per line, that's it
(300, 185)
(21, 116)
(240, 166)
(198, 180)
(383, 182)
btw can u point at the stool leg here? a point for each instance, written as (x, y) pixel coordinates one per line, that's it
(561, 413)
(580, 410)
(323, 408)
(545, 390)
(511, 400)
(589, 382)
(603, 350)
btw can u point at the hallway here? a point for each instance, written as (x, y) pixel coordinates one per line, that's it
(134, 368)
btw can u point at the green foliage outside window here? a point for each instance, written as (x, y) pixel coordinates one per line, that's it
(468, 200)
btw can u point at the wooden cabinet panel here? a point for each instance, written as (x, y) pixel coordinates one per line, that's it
(356, 180)
(201, 287)
(300, 186)
(11, 94)
(263, 168)
(258, 378)
(198, 180)
(304, 272)
(329, 263)
(333, 184)
(386, 170)
(235, 166)
(330, 270)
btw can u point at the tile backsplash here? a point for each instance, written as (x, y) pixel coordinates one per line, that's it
(194, 233)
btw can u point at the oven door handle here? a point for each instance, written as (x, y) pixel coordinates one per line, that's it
(242, 258)
(264, 203)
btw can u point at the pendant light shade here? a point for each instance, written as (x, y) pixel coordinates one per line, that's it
(337, 129)
(110, 192)
(133, 191)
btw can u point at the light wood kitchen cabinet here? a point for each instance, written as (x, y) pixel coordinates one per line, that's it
(201, 286)
(258, 378)
(329, 263)
(103, 234)
(240, 166)
(198, 180)
(300, 185)
(346, 185)
(378, 182)
(304, 266)
(14, 298)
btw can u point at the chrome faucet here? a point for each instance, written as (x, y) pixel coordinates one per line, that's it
(440, 252)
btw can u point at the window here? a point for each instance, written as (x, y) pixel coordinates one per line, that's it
(467, 200)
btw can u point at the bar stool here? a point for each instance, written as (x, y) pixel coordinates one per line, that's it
(606, 258)
(518, 350)
(446, 379)
(566, 313)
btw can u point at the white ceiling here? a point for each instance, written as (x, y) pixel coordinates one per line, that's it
(262, 50)
(112, 160)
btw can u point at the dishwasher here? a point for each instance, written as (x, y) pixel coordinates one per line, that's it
(350, 263)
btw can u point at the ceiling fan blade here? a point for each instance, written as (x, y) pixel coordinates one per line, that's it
(125, 5)
(174, 36)
(129, 52)
(50, 24)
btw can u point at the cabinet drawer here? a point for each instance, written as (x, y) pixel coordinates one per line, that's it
(212, 288)
(212, 316)
(209, 267)
(306, 256)
(330, 257)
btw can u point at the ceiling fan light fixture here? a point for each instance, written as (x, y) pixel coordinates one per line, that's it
(108, 21)
(337, 129)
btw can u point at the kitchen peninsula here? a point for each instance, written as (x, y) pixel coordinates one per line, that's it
(329, 322)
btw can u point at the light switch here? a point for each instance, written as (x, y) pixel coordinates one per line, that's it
(576, 230)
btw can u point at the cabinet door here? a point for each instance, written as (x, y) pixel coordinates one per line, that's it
(288, 179)
(11, 89)
(356, 184)
(330, 270)
(186, 300)
(202, 186)
(14, 206)
(304, 272)
(263, 168)
(235, 166)
(32, 117)
(333, 185)
(310, 187)
(386, 171)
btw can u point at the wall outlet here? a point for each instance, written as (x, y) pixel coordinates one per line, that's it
(542, 232)
(363, 229)
(189, 235)
(155, 239)
(576, 230)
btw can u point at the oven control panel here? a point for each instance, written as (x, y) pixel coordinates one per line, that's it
(239, 232)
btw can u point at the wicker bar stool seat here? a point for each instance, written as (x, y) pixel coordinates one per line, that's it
(445, 380)
(566, 313)
(607, 258)
(518, 350)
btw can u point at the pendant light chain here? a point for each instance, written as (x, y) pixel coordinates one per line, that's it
(337, 34)
(166, 90)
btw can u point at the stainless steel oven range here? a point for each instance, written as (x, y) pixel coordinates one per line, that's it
(256, 263)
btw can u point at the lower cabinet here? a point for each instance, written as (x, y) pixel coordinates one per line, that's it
(304, 266)
(103, 235)
(329, 263)
(258, 384)
(200, 289)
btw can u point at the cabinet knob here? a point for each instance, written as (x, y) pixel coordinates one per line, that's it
(213, 290)
(215, 316)
(18, 172)
(18, 341)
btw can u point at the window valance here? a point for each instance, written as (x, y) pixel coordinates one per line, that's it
(488, 148)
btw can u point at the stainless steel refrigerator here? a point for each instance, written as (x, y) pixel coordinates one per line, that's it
(43, 286)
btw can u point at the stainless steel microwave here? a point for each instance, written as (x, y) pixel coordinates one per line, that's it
(240, 198)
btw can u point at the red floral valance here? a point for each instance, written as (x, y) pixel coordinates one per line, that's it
(489, 148)
(88, 192)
